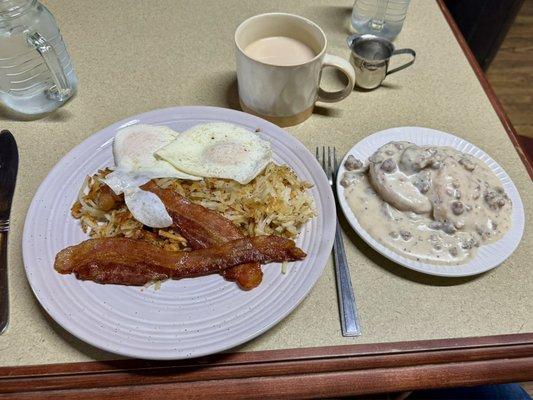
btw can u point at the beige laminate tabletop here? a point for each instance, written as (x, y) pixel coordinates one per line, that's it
(134, 56)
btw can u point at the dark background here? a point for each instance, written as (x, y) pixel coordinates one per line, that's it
(484, 24)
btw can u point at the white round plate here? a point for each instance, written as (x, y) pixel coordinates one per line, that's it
(186, 318)
(488, 256)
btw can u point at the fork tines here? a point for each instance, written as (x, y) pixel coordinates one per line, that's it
(328, 160)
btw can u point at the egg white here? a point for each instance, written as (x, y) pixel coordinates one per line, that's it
(147, 208)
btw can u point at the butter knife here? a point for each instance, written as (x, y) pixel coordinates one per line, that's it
(9, 163)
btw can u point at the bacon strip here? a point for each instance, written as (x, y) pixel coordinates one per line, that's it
(127, 261)
(203, 228)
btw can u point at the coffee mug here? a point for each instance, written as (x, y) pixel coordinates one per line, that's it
(370, 57)
(285, 94)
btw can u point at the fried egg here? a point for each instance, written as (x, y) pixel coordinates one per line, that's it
(133, 150)
(218, 150)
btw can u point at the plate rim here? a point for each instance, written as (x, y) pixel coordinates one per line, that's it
(322, 258)
(404, 261)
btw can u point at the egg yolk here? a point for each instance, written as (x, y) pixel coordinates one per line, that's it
(224, 153)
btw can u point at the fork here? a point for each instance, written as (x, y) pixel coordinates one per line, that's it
(348, 309)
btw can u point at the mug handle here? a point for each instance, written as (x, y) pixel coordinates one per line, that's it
(407, 64)
(346, 68)
(61, 89)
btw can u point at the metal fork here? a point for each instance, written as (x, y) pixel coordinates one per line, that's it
(348, 309)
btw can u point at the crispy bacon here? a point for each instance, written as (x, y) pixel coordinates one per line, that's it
(203, 228)
(127, 261)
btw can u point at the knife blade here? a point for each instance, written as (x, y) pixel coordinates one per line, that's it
(9, 162)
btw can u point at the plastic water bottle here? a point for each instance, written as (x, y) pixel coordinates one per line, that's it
(36, 73)
(382, 18)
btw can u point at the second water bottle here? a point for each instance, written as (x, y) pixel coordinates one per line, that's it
(382, 18)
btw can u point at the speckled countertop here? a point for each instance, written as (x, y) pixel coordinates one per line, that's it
(133, 56)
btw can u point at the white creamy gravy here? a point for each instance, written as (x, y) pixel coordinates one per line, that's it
(431, 204)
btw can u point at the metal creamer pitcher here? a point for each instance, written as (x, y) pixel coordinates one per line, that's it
(370, 57)
(36, 73)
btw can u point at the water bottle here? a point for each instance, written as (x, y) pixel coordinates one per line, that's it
(36, 73)
(382, 18)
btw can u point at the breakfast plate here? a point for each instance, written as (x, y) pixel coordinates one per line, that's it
(183, 318)
(488, 256)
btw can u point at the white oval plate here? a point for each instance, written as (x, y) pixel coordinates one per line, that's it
(488, 256)
(186, 318)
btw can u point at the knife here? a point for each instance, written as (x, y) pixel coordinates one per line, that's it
(9, 163)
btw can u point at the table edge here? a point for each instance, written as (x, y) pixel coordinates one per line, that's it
(306, 372)
(298, 373)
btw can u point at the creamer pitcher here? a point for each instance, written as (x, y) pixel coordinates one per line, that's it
(36, 73)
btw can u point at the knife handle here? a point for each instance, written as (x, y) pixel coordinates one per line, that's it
(4, 293)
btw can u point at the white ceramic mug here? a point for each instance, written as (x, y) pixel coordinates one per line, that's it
(285, 95)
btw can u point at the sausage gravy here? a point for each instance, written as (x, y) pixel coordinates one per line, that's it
(431, 204)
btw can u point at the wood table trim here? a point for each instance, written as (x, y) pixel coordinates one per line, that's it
(296, 373)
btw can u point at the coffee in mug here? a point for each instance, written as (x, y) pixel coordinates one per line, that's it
(280, 58)
(280, 50)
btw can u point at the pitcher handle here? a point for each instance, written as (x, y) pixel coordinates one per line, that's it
(407, 64)
(62, 89)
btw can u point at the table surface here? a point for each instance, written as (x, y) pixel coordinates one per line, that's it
(133, 57)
